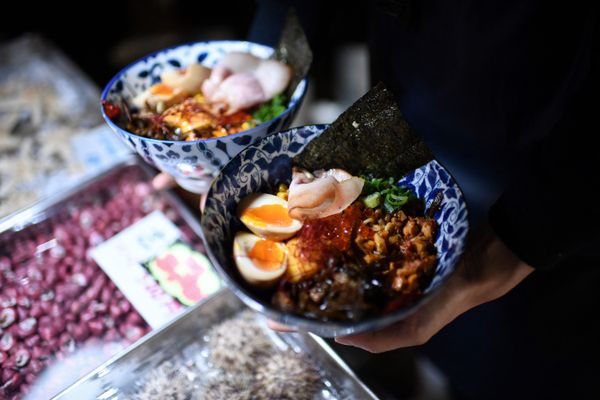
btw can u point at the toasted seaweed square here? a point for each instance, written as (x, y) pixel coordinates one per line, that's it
(293, 49)
(369, 138)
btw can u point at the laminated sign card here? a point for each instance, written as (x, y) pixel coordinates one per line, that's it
(158, 272)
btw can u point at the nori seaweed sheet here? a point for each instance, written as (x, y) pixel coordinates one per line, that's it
(293, 49)
(369, 138)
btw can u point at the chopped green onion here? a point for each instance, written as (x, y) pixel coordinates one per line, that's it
(373, 200)
(380, 192)
(396, 200)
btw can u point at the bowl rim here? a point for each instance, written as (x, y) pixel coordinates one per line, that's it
(105, 92)
(324, 328)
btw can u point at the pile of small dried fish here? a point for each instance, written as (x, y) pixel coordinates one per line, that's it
(239, 361)
(44, 101)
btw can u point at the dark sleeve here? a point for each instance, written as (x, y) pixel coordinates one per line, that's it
(314, 15)
(549, 211)
(268, 21)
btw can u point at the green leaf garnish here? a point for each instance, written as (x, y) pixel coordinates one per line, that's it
(269, 110)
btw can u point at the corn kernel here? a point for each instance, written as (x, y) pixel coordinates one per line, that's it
(282, 191)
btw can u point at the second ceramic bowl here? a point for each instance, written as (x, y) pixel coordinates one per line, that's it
(195, 163)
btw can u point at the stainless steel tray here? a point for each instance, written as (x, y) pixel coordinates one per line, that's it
(42, 209)
(48, 108)
(39, 215)
(116, 377)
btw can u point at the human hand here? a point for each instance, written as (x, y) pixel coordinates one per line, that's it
(487, 271)
(276, 326)
(164, 181)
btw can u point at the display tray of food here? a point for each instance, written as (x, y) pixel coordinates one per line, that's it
(49, 135)
(221, 350)
(88, 272)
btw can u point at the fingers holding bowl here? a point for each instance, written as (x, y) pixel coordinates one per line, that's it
(163, 181)
(276, 326)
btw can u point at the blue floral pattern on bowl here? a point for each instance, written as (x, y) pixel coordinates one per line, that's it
(193, 164)
(264, 164)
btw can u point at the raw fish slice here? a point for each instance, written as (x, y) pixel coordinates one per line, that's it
(273, 76)
(239, 62)
(345, 193)
(322, 196)
(239, 91)
(217, 75)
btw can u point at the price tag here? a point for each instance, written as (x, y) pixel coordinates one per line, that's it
(157, 272)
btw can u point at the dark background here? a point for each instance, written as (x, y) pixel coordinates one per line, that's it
(102, 37)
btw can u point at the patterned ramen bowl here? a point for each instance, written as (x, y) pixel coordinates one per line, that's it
(262, 165)
(193, 163)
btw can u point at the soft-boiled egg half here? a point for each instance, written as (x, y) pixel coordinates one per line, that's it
(260, 261)
(267, 216)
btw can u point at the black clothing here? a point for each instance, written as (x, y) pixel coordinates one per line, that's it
(505, 94)
(502, 91)
(505, 90)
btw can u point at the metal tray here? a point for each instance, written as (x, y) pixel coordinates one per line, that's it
(48, 108)
(48, 206)
(115, 378)
(19, 225)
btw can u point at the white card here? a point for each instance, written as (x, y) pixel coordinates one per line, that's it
(124, 258)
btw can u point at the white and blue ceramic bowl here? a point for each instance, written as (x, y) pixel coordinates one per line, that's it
(195, 163)
(261, 166)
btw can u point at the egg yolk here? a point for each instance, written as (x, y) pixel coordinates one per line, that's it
(269, 214)
(161, 89)
(267, 254)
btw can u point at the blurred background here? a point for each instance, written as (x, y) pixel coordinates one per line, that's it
(102, 38)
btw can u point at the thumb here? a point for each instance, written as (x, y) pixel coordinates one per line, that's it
(163, 181)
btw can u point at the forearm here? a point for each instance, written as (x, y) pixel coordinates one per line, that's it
(546, 214)
(490, 269)
(268, 21)
(487, 271)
